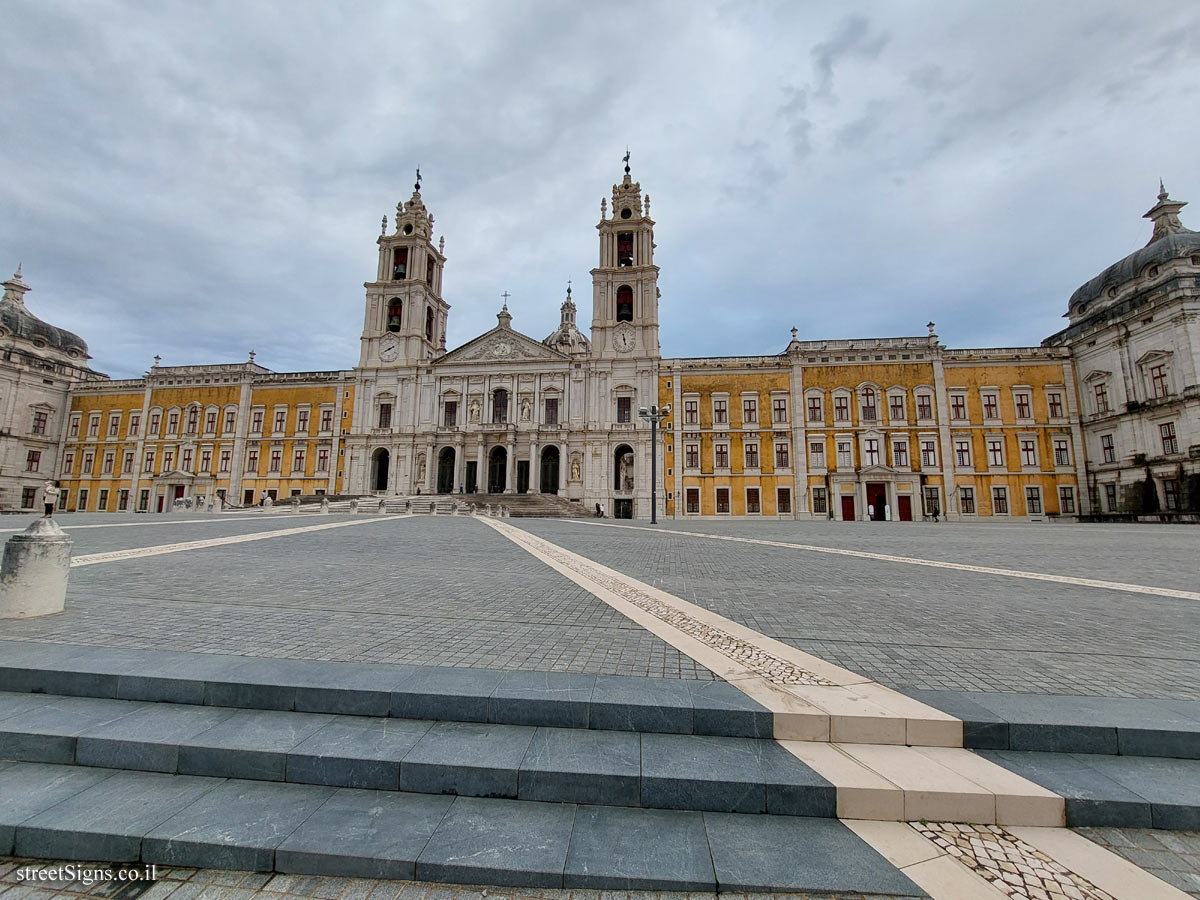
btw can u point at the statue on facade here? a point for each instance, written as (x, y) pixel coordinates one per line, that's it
(526, 409)
(575, 467)
(473, 411)
(421, 469)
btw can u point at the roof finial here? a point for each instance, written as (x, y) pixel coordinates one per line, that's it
(794, 330)
(506, 295)
(1162, 191)
(251, 356)
(417, 186)
(930, 326)
(157, 360)
(383, 226)
(626, 159)
(18, 270)
(568, 288)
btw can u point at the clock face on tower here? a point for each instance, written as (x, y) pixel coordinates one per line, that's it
(389, 348)
(623, 340)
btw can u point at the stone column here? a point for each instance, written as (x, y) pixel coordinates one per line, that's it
(564, 468)
(480, 471)
(510, 464)
(430, 463)
(535, 477)
(460, 464)
(33, 581)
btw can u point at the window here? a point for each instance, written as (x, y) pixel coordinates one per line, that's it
(127, 463)
(28, 495)
(720, 412)
(900, 454)
(1066, 500)
(429, 323)
(399, 263)
(779, 411)
(1158, 381)
(1000, 501)
(692, 507)
(871, 448)
(691, 456)
(144, 500)
(210, 422)
(624, 409)
(723, 500)
(123, 499)
(102, 500)
(995, 450)
(1101, 398)
(896, 407)
(1054, 404)
(1024, 411)
(450, 414)
(193, 420)
(625, 248)
(82, 502)
(39, 423)
(721, 456)
(73, 428)
(820, 502)
(168, 460)
(691, 412)
(814, 410)
(781, 455)
(924, 406)
(298, 461)
(1169, 443)
(958, 406)
(385, 415)
(148, 463)
(962, 454)
(783, 501)
(256, 420)
(1110, 495)
(106, 467)
(751, 456)
(1029, 452)
(753, 505)
(302, 421)
(1107, 449)
(1171, 493)
(841, 409)
(816, 453)
(252, 460)
(205, 461)
(991, 406)
(114, 425)
(281, 420)
(868, 405)
(186, 462)
(89, 460)
(551, 412)
(1062, 452)
(429, 271)
(845, 455)
(276, 461)
(929, 454)
(33, 459)
(94, 426)
(1033, 501)
(966, 500)
(135, 424)
(68, 462)
(749, 410)
(322, 459)
(225, 461)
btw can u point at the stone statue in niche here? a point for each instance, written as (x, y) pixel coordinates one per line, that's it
(625, 470)
(473, 411)
(526, 409)
(421, 468)
(575, 467)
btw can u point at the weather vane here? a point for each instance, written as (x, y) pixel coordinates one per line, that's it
(626, 159)
(417, 186)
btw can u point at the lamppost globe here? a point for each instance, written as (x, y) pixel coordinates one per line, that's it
(643, 411)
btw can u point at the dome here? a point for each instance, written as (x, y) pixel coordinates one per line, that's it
(17, 320)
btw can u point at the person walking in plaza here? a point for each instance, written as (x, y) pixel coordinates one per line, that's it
(50, 493)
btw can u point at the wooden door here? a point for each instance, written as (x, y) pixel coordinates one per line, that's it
(848, 508)
(904, 504)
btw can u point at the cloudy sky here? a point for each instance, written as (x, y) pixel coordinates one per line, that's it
(199, 179)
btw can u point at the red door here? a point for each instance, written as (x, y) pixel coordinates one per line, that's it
(904, 502)
(848, 509)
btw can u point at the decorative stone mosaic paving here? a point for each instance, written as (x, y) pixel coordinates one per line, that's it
(769, 666)
(1011, 865)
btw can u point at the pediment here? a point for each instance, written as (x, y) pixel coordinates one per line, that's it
(1154, 356)
(1097, 375)
(502, 345)
(881, 470)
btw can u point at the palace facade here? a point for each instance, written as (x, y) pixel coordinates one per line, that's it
(1102, 417)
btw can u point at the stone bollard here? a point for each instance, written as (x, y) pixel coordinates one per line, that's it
(295, 504)
(432, 508)
(488, 510)
(471, 509)
(408, 507)
(268, 502)
(354, 506)
(33, 581)
(324, 504)
(382, 506)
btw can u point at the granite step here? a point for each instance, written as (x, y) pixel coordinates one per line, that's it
(554, 699)
(1072, 724)
(536, 763)
(1114, 791)
(82, 813)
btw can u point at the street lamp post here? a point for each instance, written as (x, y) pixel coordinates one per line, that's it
(654, 415)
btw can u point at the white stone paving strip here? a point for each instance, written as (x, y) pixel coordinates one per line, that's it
(917, 561)
(92, 559)
(221, 518)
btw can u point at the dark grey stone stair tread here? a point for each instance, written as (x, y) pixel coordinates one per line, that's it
(582, 766)
(13, 704)
(641, 704)
(251, 743)
(353, 751)
(47, 733)
(363, 834)
(28, 788)
(542, 698)
(721, 709)
(614, 848)
(148, 738)
(429, 692)
(107, 821)
(1172, 786)
(471, 758)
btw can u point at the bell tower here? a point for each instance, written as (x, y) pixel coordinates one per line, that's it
(405, 321)
(625, 283)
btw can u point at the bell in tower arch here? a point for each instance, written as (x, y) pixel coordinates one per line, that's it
(395, 309)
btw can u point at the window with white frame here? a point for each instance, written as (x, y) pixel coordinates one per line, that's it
(185, 460)
(106, 467)
(89, 463)
(841, 408)
(871, 451)
(991, 406)
(896, 407)
(67, 463)
(384, 415)
(1170, 443)
(900, 454)
(751, 456)
(1171, 493)
(322, 459)
(720, 410)
(1000, 501)
(928, 453)
(691, 456)
(135, 424)
(252, 459)
(33, 460)
(1108, 450)
(820, 501)
(206, 460)
(302, 420)
(722, 497)
(148, 463)
(275, 462)
(966, 500)
(193, 420)
(779, 412)
(692, 498)
(1023, 404)
(958, 407)
(749, 410)
(1110, 496)
(114, 425)
(691, 412)
(1066, 500)
(783, 501)
(924, 406)
(1029, 455)
(816, 454)
(230, 420)
(870, 412)
(298, 460)
(73, 426)
(1033, 500)
(256, 421)
(225, 461)
(94, 425)
(210, 422)
(995, 452)
(815, 411)
(782, 456)
(1100, 394)
(721, 455)
(962, 453)
(1054, 404)
(168, 460)
(845, 454)
(127, 463)
(326, 418)
(1062, 452)
(753, 503)
(281, 420)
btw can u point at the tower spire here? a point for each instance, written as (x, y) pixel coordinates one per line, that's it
(1165, 216)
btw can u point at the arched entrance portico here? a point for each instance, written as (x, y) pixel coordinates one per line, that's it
(380, 461)
(550, 463)
(497, 470)
(445, 471)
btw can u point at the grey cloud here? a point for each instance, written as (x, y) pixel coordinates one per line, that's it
(853, 37)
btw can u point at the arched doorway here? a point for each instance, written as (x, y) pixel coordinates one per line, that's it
(623, 468)
(380, 462)
(445, 476)
(550, 470)
(497, 466)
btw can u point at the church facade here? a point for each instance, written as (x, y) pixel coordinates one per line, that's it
(885, 429)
